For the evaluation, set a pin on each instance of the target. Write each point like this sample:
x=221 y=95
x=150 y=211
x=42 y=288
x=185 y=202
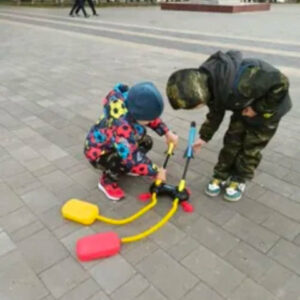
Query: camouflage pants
x=241 y=153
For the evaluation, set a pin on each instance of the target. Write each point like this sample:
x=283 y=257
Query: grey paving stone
x=281 y=204
x=9 y=200
x=17 y=219
x=10 y=142
x=274 y=169
x=44 y=170
x=24 y=154
x=4 y=156
x=100 y=296
x=75 y=131
x=87 y=178
x=17 y=280
x=36 y=164
x=40 y=200
x=67 y=228
x=213 y=209
x=282 y=226
x=295 y=194
x=293 y=177
x=112 y=273
x=73 y=191
x=131 y=289
x=63 y=277
x=23 y=183
x=275 y=279
x=45 y=103
x=53 y=218
x=297 y=240
x=213 y=236
x=167 y=275
x=53 y=119
x=183 y=248
x=136 y=252
x=80 y=166
x=42 y=250
x=151 y=294
x=213 y=270
x=257 y=236
x=291 y=290
x=70 y=240
x=254 y=190
x=60 y=139
x=65 y=162
x=287 y=254
x=25 y=133
x=8 y=121
x=37 y=141
x=168 y=236
x=6 y=243
x=249 y=290
x=34 y=122
x=26 y=231
x=50 y=297
x=56 y=180
x=52 y=152
x=202 y=291
x=31 y=107
x=10 y=168
x=249 y=261
x=252 y=210
x=84 y=291
x=279 y=186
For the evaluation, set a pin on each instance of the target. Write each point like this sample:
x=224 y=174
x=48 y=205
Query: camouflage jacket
x=236 y=83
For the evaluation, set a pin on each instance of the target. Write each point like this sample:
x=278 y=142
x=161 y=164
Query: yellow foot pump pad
x=80 y=211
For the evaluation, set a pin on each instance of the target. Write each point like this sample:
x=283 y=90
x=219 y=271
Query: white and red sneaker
x=133 y=174
x=110 y=189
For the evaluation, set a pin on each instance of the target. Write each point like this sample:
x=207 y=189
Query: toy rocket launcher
x=180 y=191
x=106 y=244
x=87 y=213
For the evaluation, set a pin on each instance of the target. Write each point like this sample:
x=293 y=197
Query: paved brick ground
x=54 y=72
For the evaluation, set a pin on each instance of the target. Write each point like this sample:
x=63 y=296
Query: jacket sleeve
x=213 y=120
x=158 y=126
x=269 y=104
x=267 y=88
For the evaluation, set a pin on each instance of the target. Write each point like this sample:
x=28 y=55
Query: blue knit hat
x=145 y=102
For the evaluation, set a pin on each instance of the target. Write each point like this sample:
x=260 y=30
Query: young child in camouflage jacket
x=118 y=142
x=256 y=93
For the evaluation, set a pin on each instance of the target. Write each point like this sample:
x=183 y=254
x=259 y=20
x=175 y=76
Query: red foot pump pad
x=98 y=245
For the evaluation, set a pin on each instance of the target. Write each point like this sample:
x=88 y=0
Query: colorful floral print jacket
x=117 y=130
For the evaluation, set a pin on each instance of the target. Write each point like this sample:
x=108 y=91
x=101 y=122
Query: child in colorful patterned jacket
x=118 y=142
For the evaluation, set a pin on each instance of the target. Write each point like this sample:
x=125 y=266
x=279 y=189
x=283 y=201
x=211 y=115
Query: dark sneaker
x=234 y=191
x=110 y=189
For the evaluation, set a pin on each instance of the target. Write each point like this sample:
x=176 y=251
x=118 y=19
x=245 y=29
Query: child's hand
x=172 y=138
x=198 y=145
x=249 y=112
x=162 y=174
